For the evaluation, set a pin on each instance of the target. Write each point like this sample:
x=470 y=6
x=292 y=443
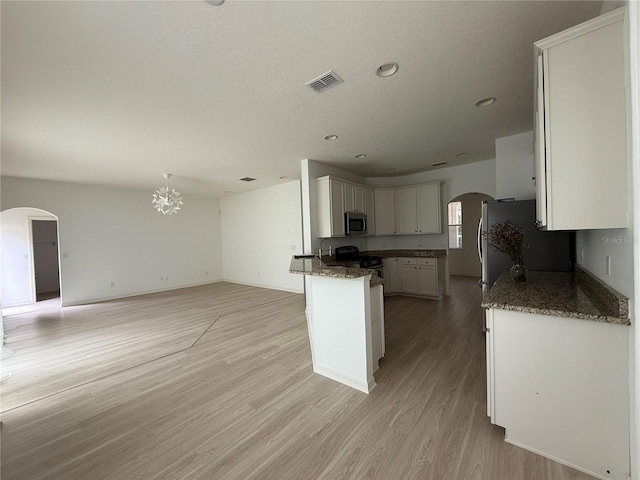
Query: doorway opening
x=464 y=212
x=30 y=279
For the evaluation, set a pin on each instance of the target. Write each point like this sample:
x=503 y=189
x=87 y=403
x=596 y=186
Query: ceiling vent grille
x=324 y=82
x=247 y=179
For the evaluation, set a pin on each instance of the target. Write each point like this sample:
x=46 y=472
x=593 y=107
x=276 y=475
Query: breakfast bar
x=345 y=320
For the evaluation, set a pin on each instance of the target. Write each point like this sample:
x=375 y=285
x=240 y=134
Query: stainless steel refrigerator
x=544 y=250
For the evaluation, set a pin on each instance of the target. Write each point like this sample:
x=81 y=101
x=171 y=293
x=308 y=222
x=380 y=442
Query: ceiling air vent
x=324 y=82
x=247 y=179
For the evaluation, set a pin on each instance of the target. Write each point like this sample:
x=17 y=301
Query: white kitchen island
x=345 y=319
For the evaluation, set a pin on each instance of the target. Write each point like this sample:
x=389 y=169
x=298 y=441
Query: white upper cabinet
x=581 y=151
x=385 y=211
x=429 y=209
x=417 y=210
x=370 y=210
x=353 y=198
x=349 y=197
x=358 y=199
x=334 y=198
x=330 y=207
x=406 y=210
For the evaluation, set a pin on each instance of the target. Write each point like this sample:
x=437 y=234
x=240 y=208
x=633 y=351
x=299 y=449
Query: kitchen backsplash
x=407 y=242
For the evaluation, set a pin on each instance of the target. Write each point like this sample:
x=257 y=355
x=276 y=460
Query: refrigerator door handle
x=480 y=240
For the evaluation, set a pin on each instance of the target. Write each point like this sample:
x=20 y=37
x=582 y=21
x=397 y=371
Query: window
x=455 y=224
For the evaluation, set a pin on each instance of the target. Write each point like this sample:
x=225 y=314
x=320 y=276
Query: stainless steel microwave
x=355 y=223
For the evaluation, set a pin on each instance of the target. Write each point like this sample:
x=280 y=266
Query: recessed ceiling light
x=387 y=69
x=361 y=155
x=438 y=164
x=391 y=169
x=247 y=179
x=283 y=177
x=462 y=154
x=215 y=3
x=227 y=191
x=331 y=137
x=485 y=102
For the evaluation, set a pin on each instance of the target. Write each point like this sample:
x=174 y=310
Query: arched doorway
x=463 y=215
x=30 y=278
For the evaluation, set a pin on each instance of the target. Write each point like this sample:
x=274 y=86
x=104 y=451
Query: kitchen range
x=351 y=255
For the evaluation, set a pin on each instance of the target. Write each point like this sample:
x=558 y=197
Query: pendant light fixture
x=166 y=200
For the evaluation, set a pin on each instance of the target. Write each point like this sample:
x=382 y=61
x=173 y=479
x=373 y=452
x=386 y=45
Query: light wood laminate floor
x=215 y=382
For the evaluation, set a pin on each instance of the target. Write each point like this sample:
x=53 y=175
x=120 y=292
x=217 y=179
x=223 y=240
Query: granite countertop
x=407 y=253
x=314 y=266
x=572 y=295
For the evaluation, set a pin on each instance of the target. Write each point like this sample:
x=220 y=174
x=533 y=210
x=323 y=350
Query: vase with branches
x=508 y=238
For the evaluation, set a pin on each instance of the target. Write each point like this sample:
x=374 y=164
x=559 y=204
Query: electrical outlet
x=25 y=256
x=113 y=284
x=167 y=277
x=258 y=274
x=161 y=279
x=65 y=255
x=608 y=265
x=294 y=247
x=207 y=272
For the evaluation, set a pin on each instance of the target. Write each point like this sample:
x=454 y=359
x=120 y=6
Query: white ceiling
x=116 y=93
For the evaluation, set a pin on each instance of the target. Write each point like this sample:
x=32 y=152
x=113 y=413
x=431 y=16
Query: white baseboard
x=555 y=459
x=348 y=380
x=270 y=287
x=135 y=294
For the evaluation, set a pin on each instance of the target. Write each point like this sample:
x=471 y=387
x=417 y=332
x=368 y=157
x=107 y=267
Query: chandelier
x=166 y=200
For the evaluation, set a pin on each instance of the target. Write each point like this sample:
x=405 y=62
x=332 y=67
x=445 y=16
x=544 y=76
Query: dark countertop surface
x=573 y=295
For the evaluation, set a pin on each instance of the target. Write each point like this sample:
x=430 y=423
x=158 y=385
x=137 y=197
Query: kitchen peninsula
x=345 y=319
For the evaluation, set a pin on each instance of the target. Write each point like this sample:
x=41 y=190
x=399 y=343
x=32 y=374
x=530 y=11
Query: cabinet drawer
x=427 y=261
x=408 y=261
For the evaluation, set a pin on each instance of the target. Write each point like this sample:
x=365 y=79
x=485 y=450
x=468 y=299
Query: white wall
x=16 y=264
x=114 y=235
x=261 y=230
x=477 y=177
x=515 y=167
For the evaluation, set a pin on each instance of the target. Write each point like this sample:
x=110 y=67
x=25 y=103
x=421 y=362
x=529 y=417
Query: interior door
x=45 y=257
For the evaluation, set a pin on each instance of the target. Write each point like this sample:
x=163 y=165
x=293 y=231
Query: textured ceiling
x=116 y=93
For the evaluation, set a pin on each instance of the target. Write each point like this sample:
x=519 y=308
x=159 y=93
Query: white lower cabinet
x=390 y=275
x=427 y=277
x=559 y=387
x=414 y=276
x=409 y=275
